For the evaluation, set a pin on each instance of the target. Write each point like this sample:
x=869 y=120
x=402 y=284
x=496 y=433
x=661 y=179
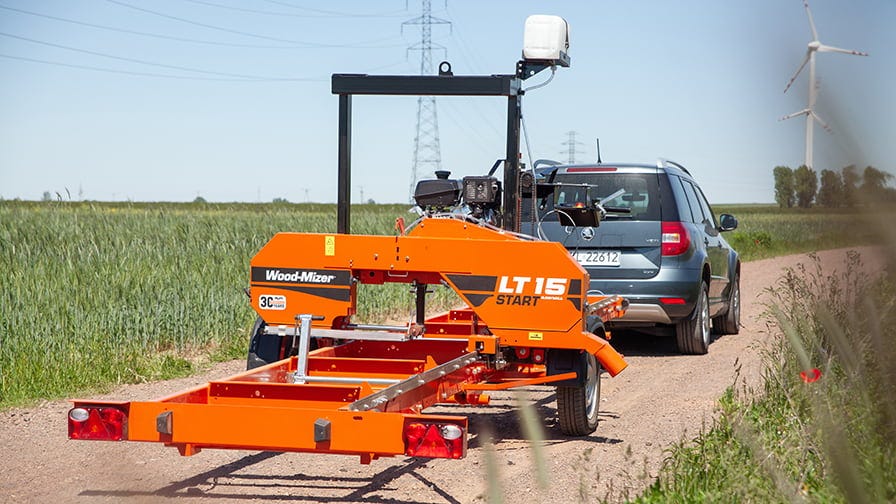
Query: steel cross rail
x=348 y=85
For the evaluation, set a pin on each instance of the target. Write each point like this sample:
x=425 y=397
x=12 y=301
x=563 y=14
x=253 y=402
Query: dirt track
x=661 y=398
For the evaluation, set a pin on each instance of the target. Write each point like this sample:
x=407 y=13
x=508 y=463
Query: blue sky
x=698 y=82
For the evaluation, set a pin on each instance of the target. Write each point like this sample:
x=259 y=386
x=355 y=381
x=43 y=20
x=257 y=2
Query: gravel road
x=661 y=398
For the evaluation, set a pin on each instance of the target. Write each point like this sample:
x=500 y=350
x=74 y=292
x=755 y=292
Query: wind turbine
x=814 y=46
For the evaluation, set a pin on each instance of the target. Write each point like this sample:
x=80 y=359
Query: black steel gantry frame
x=444 y=84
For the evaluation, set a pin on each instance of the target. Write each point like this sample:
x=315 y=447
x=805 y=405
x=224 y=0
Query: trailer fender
x=560 y=361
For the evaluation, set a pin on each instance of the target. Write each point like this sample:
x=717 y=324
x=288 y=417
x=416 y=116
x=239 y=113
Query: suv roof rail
x=661 y=163
x=549 y=162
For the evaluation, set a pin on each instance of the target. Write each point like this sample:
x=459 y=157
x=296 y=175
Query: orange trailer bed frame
x=366 y=391
x=361 y=389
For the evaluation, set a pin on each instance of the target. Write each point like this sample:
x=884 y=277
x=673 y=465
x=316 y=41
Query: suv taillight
x=675 y=238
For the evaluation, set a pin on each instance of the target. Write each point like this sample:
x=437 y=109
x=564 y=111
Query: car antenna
x=598 y=150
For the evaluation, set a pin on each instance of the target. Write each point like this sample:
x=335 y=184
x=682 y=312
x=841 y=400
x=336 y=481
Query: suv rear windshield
x=639 y=193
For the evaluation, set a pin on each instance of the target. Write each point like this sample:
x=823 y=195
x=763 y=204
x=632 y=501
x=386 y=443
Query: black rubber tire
x=264 y=349
x=693 y=333
x=729 y=323
x=577 y=406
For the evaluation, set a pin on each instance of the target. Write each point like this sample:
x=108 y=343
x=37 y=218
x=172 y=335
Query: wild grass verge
x=822 y=427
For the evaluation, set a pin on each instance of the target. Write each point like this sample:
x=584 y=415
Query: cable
x=144 y=34
x=394 y=13
x=229 y=30
x=181 y=77
x=127 y=72
x=545 y=83
x=142 y=62
x=283 y=14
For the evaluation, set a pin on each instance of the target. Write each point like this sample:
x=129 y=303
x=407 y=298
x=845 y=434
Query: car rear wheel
x=729 y=323
x=692 y=334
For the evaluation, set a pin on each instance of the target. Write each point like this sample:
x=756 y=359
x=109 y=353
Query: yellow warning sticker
x=536 y=336
x=330 y=245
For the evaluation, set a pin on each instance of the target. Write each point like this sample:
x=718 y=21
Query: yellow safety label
x=536 y=336
x=330 y=245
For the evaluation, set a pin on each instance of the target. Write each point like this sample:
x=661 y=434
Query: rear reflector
x=676 y=240
x=672 y=300
x=435 y=440
x=97 y=422
x=591 y=169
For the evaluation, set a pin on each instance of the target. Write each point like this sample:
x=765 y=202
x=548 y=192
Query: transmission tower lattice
x=427 y=153
x=571 y=144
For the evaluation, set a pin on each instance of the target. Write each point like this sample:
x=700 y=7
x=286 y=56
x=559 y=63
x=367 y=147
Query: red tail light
x=95 y=422
x=435 y=440
x=588 y=169
x=676 y=240
x=671 y=300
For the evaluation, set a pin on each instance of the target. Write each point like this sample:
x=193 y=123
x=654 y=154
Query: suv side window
x=681 y=199
x=707 y=210
x=696 y=213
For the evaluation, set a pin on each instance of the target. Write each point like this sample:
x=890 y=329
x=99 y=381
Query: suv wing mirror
x=727 y=222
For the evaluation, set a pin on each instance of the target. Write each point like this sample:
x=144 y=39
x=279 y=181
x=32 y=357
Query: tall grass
x=93 y=294
x=768 y=231
x=798 y=439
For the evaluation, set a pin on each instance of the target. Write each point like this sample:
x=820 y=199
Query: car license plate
x=598 y=257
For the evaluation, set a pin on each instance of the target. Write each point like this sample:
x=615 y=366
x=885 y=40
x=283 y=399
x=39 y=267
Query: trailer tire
x=264 y=349
x=577 y=406
x=692 y=334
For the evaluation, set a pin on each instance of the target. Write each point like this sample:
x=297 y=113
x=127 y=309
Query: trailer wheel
x=692 y=334
x=264 y=349
x=577 y=406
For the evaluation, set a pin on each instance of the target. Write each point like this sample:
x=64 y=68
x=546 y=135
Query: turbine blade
x=822 y=123
x=811 y=22
x=798 y=70
x=827 y=48
x=795 y=114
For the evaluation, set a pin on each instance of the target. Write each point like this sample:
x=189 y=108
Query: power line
x=325 y=78
x=144 y=34
x=476 y=65
x=331 y=14
x=230 y=30
x=303 y=45
x=150 y=63
x=125 y=72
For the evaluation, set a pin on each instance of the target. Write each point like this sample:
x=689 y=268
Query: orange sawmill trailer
x=317 y=381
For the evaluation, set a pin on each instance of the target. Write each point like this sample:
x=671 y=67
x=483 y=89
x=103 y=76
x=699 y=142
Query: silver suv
x=658 y=244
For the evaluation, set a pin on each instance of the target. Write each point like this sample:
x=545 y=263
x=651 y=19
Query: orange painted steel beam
x=521 y=383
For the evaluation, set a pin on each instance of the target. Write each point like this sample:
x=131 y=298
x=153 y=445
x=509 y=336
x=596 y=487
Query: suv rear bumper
x=643 y=312
x=644 y=296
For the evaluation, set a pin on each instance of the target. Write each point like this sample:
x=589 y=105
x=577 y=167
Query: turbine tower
x=427 y=153
x=814 y=46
